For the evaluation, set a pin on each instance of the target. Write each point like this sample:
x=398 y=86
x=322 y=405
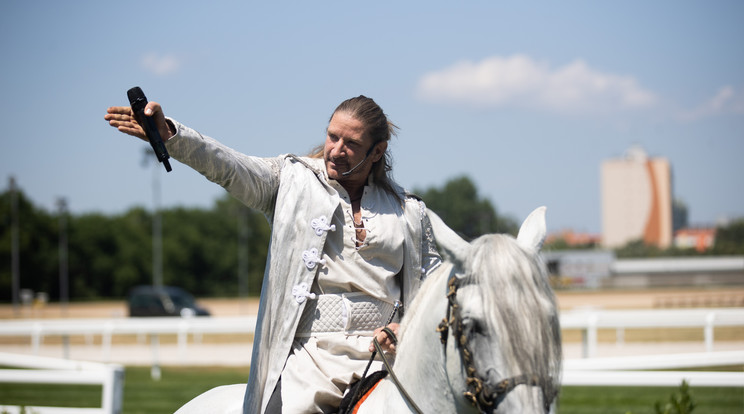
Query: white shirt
x=372 y=267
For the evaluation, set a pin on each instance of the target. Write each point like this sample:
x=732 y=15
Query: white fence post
x=45 y=370
x=113 y=390
x=619 y=336
x=183 y=338
x=590 y=336
x=155 y=373
x=106 y=334
x=36 y=335
x=709 y=324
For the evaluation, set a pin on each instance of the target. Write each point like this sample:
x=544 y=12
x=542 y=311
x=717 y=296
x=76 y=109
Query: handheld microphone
x=138 y=101
x=369 y=151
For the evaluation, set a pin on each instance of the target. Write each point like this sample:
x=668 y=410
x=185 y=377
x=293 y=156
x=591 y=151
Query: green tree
x=110 y=254
x=256 y=236
x=730 y=239
x=638 y=248
x=201 y=248
x=460 y=206
x=38 y=240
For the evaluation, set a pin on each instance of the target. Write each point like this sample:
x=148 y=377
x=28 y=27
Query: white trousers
x=320 y=369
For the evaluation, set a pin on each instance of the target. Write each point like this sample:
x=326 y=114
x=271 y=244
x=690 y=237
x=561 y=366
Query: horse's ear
x=454 y=246
x=532 y=233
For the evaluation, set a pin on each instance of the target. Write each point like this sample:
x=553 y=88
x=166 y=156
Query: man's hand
x=122 y=118
x=386 y=343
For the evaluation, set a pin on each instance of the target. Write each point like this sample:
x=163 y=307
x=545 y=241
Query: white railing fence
x=38 y=329
x=589 y=321
x=652 y=378
x=636 y=370
x=44 y=370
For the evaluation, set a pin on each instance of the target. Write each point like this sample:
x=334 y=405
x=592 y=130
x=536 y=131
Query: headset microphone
x=348 y=173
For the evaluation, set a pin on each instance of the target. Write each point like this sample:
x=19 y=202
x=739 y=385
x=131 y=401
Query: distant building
x=636 y=200
x=701 y=239
x=573 y=239
x=600 y=269
x=676 y=271
x=579 y=268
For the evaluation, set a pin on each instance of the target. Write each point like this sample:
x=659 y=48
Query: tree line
x=109 y=254
x=215 y=252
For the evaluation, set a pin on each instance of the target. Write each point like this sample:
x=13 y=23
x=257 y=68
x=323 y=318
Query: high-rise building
x=636 y=200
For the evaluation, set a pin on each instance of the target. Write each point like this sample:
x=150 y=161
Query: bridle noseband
x=480 y=394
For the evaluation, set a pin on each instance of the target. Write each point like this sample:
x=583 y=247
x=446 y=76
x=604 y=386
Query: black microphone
x=138 y=101
x=369 y=151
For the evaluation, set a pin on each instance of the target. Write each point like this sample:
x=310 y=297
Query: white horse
x=482 y=334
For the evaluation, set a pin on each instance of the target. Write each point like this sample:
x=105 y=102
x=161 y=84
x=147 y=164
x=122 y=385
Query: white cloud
x=520 y=81
x=160 y=65
x=726 y=101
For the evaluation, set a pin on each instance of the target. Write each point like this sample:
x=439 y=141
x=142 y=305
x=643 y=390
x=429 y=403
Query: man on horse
x=347 y=243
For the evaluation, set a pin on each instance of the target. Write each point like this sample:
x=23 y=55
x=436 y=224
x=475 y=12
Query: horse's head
x=503 y=318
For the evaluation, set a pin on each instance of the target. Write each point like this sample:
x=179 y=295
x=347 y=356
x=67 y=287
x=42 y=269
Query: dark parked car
x=163 y=301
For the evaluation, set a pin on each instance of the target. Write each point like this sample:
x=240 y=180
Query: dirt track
x=630 y=299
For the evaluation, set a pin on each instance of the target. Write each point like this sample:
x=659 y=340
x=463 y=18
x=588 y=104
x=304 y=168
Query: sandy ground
x=615 y=299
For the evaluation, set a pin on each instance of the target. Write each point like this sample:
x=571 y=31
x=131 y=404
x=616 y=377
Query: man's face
x=346 y=146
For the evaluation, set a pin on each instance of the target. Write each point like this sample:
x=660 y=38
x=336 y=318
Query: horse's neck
x=420 y=347
x=420 y=360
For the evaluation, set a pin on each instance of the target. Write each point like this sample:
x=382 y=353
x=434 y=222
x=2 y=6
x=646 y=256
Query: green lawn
x=641 y=400
x=141 y=393
x=178 y=385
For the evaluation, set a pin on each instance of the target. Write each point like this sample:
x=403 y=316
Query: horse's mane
x=522 y=308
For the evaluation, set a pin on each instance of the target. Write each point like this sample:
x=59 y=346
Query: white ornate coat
x=291 y=191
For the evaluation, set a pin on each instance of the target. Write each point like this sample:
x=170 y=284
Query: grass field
x=179 y=384
x=142 y=395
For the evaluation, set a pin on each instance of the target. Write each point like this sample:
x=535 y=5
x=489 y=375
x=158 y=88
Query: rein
x=378 y=350
x=397 y=382
x=482 y=396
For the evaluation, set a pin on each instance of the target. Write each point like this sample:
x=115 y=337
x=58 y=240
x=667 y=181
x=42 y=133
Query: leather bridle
x=484 y=397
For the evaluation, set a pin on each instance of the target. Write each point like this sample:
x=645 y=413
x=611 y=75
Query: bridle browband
x=480 y=394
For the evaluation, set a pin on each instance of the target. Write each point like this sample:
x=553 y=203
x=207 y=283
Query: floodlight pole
x=64 y=283
x=157 y=230
x=15 y=248
x=157 y=227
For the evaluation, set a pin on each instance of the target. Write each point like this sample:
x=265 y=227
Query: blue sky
x=526 y=100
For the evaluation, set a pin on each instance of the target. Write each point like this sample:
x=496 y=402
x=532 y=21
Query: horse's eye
x=472 y=326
